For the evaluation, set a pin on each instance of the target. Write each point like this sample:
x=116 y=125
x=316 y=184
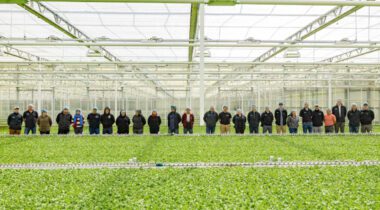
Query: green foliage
x=223 y=188
x=187 y=149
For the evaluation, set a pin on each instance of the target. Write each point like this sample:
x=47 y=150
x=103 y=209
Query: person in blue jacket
x=174 y=118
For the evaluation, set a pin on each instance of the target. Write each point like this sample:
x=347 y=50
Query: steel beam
x=9 y=50
x=350 y=54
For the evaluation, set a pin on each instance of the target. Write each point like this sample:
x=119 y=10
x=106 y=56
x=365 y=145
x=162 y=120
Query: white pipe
x=311 y=2
x=201 y=63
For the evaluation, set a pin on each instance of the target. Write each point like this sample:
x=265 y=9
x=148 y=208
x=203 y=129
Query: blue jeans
x=210 y=129
x=354 y=129
x=107 y=130
x=28 y=130
x=188 y=130
x=307 y=127
x=293 y=130
x=173 y=130
x=94 y=131
x=253 y=129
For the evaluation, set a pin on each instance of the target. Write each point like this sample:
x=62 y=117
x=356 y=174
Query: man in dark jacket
x=188 y=121
x=225 y=121
x=317 y=118
x=30 y=117
x=254 y=120
x=122 y=123
x=306 y=114
x=154 y=122
x=280 y=115
x=354 y=119
x=64 y=120
x=138 y=122
x=107 y=119
x=173 y=121
x=267 y=120
x=366 y=118
x=15 y=122
x=210 y=118
x=94 y=121
x=239 y=121
x=340 y=113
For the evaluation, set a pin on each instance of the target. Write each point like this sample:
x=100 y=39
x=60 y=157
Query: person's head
x=173 y=109
x=188 y=110
x=316 y=107
x=16 y=109
x=365 y=106
x=154 y=113
x=238 y=112
x=280 y=105
x=65 y=110
x=212 y=108
x=107 y=110
x=123 y=113
x=354 y=107
x=339 y=102
x=94 y=110
x=77 y=111
x=293 y=114
x=30 y=107
x=254 y=109
x=43 y=112
x=225 y=108
x=138 y=112
x=267 y=109
x=306 y=105
x=328 y=111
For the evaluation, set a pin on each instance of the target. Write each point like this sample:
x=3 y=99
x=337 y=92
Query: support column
x=329 y=94
x=53 y=101
x=116 y=112
x=201 y=64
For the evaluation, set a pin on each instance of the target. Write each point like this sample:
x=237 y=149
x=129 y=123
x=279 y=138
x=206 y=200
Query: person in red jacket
x=188 y=121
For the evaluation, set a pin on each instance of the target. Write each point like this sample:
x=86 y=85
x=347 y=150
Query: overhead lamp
x=53 y=38
x=153 y=39
x=345 y=41
x=292 y=53
x=94 y=53
x=206 y=53
x=249 y=40
x=102 y=38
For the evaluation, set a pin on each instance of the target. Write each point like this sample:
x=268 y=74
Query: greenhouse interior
x=150 y=56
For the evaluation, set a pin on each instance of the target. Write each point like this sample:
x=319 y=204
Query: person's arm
x=249 y=117
x=334 y=119
x=205 y=117
x=372 y=115
x=169 y=120
x=9 y=120
x=159 y=120
x=143 y=120
x=183 y=119
x=179 y=118
x=112 y=119
x=57 y=119
x=50 y=121
x=128 y=121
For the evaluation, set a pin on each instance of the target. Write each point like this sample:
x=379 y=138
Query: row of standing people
x=312 y=121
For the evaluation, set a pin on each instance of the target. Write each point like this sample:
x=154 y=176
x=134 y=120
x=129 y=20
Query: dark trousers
x=138 y=130
x=78 y=130
x=329 y=129
x=123 y=132
x=107 y=130
x=188 y=130
x=154 y=130
x=307 y=127
x=210 y=129
x=94 y=131
x=239 y=130
x=44 y=132
x=63 y=131
x=293 y=130
x=28 y=130
x=339 y=127
x=173 y=130
x=253 y=129
x=354 y=129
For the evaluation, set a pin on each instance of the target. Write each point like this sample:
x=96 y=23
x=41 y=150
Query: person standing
x=354 y=119
x=330 y=121
x=306 y=114
x=107 y=119
x=94 y=119
x=239 y=121
x=225 y=121
x=340 y=112
x=15 y=122
x=30 y=117
x=138 y=122
x=122 y=123
x=64 y=120
x=317 y=119
x=44 y=123
x=254 y=121
x=293 y=122
x=188 y=121
x=173 y=121
x=210 y=118
x=154 y=122
x=267 y=120
x=280 y=115
x=78 y=122
x=366 y=118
